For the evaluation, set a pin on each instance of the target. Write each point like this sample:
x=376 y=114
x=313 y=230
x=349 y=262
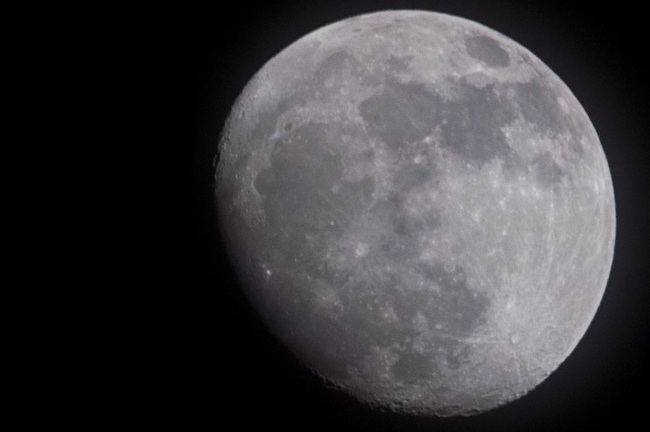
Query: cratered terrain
x=419 y=209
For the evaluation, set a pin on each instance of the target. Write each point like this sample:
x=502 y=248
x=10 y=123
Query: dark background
x=227 y=368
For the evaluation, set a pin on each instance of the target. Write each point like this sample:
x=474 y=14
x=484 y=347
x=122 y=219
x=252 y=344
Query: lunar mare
x=420 y=210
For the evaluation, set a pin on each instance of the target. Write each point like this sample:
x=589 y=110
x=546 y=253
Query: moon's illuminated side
x=419 y=209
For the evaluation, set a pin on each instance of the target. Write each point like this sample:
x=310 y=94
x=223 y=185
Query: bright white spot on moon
x=361 y=250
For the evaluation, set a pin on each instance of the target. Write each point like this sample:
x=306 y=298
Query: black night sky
x=232 y=369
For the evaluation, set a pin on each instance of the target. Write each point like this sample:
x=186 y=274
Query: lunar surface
x=419 y=209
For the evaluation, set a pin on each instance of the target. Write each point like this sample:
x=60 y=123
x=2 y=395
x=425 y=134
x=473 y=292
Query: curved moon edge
x=419 y=208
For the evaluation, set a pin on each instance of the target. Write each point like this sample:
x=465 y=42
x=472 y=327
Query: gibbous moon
x=419 y=209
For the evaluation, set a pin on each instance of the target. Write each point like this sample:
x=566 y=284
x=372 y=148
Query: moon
x=419 y=209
